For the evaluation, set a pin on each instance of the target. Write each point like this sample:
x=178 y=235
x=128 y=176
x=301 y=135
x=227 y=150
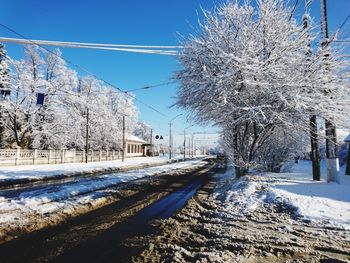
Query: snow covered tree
x=22 y=107
x=61 y=120
x=106 y=108
x=143 y=131
x=245 y=72
x=4 y=71
x=4 y=92
x=49 y=125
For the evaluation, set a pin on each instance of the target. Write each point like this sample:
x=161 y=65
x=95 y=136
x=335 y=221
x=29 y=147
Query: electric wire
x=125 y=48
x=87 y=71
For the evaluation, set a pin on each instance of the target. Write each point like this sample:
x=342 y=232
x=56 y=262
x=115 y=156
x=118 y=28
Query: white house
x=135 y=146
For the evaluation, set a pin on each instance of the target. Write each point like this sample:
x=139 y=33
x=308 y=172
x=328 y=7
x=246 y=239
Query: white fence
x=27 y=157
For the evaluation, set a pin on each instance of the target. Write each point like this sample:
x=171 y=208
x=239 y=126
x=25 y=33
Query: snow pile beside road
x=38 y=172
x=326 y=203
x=240 y=195
x=320 y=202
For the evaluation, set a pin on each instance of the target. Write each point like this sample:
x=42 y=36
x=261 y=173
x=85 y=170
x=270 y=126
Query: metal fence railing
x=28 y=157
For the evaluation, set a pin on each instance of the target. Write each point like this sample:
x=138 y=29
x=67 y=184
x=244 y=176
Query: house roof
x=347 y=138
x=133 y=138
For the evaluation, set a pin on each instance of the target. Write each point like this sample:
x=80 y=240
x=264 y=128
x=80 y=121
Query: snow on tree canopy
x=247 y=71
x=61 y=120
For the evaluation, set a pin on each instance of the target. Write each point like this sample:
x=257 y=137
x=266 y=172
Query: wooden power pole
x=331 y=134
x=170 y=142
x=315 y=152
x=151 y=153
x=124 y=141
x=87 y=136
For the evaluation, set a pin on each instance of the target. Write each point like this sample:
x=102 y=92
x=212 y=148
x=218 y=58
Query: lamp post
x=170 y=140
x=185 y=140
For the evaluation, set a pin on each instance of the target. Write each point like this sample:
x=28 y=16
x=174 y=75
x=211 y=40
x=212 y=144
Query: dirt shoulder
x=206 y=230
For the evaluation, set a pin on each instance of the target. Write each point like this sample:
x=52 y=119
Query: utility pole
x=170 y=138
x=170 y=148
x=192 y=145
x=5 y=92
x=2 y=125
x=331 y=133
x=189 y=146
x=185 y=141
x=87 y=136
x=124 y=142
x=315 y=152
x=184 y=144
x=151 y=142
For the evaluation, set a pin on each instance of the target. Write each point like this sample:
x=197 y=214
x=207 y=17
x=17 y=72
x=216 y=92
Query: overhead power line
x=85 y=70
x=105 y=45
x=89 y=46
x=151 y=86
x=67 y=45
x=345 y=20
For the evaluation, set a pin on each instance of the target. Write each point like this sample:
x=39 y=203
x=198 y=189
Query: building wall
x=134 y=149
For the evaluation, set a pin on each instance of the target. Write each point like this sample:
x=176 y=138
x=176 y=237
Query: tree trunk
x=239 y=170
x=315 y=154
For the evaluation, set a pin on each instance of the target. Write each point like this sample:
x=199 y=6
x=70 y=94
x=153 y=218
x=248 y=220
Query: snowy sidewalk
x=319 y=202
x=30 y=173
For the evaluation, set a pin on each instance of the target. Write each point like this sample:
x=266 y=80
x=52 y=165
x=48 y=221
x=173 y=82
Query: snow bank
x=319 y=202
x=37 y=172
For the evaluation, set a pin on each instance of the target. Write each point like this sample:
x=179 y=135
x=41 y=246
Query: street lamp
x=185 y=140
x=170 y=141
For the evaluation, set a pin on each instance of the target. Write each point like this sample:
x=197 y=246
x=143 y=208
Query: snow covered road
x=32 y=208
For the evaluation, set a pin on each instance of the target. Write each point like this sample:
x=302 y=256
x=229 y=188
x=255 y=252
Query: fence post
x=106 y=155
x=18 y=155
x=49 y=157
x=74 y=155
x=99 y=155
x=83 y=156
x=62 y=155
x=113 y=154
x=92 y=155
x=35 y=154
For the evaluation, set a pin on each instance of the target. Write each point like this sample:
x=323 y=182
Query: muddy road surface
x=102 y=235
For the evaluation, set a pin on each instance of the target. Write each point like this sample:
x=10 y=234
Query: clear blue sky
x=148 y=22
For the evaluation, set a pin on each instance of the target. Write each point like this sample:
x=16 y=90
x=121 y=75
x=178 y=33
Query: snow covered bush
x=247 y=72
